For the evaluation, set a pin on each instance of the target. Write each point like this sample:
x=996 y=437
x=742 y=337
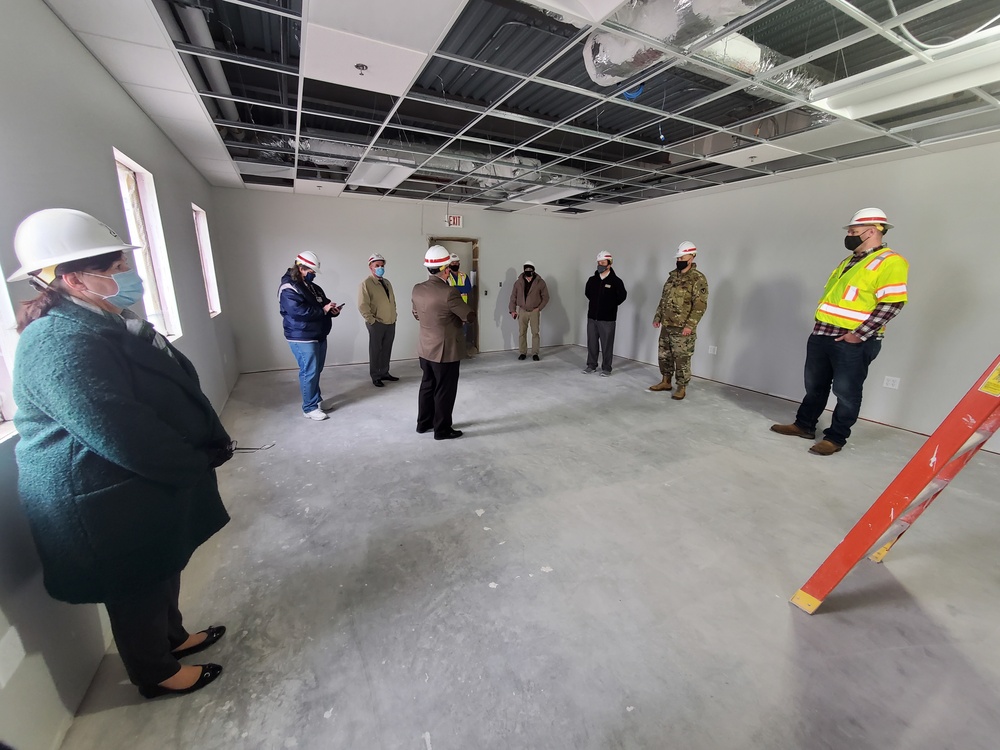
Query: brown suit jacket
x=441 y=312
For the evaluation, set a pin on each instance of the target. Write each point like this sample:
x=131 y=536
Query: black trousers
x=147 y=626
x=380 y=338
x=600 y=338
x=438 y=389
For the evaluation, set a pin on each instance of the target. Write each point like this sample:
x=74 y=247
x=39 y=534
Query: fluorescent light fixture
x=908 y=82
x=381 y=174
x=547 y=193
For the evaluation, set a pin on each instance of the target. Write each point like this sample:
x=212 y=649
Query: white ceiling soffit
x=414 y=25
x=835 y=134
x=752 y=155
x=319 y=187
x=118 y=19
x=909 y=82
x=181 y=105
x=137 y=63
x=333 y=56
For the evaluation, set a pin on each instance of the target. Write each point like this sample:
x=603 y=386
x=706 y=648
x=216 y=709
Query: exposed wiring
x=945 y=45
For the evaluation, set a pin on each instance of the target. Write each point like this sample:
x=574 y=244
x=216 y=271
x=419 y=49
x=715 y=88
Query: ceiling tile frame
x=687 y=55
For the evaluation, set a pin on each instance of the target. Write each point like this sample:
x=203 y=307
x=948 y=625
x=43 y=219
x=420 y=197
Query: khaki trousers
x=524 y=319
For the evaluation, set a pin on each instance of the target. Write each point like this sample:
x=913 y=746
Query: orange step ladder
x=958 y=438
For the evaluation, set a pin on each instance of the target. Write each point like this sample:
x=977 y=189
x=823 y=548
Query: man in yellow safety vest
x=866 y=291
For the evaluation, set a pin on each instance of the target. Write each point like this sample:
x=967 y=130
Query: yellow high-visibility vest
x=460 y=282
x=849 y=298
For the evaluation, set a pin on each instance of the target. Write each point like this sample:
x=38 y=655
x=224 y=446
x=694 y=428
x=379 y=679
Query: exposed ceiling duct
x=612 y=58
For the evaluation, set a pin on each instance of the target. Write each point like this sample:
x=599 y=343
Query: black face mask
x=454 y=268
x=681 y=265
x=528 y=274
x=852 y=242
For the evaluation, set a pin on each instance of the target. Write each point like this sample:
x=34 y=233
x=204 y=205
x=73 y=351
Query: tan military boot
x=663 y=385
x=679 y=393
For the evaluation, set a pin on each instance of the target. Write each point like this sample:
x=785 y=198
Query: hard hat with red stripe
x=374 y=257
x=872 y=217
x=604 y=255
x=308 y=259
x=686 y=248
x=436 y=257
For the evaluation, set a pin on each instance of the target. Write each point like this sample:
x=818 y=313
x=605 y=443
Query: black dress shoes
x=390 y=378
x=535 y=357
x=208 y=674
x=449 y=435
x=212 y=635
x=378 y=384
x=422 y=430
x=523 y=356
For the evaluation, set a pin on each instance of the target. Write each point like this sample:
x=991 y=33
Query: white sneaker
x=326 y=404
x=317 y=415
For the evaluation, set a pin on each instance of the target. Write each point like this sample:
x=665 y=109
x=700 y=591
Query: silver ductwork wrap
x=611 y=58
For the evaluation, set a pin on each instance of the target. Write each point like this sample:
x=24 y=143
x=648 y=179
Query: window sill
x=7 y=431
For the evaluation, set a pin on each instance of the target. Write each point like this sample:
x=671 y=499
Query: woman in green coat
x=117 y=449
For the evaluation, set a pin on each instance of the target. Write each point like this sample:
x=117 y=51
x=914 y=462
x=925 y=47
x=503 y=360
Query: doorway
x=468 y=252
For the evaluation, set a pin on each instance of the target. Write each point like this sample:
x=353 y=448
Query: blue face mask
x=129 y=288
x=380 y=271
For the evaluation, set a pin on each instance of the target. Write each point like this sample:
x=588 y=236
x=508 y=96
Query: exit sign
x=454 y=221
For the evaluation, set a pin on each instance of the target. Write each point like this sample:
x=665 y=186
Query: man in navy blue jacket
x=305 y=318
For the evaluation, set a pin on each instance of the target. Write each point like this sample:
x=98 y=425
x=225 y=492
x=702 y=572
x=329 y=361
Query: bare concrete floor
x=591 y=566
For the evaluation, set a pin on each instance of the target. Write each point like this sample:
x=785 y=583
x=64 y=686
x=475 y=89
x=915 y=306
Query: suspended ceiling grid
x=489 y=102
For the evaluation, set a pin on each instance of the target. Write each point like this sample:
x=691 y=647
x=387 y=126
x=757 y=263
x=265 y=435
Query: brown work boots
x=679 y=393
x=823 y=448
x=663 y=385
x=794 y=430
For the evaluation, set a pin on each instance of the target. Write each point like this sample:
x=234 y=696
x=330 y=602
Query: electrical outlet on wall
x=890 y=382
x=713 y=350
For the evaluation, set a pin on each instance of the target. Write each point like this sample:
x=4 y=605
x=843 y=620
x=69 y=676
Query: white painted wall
x=767 y=250
x=259 y=233
x=61 y=117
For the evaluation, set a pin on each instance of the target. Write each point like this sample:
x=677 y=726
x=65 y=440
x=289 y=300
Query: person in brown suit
x=441 y=312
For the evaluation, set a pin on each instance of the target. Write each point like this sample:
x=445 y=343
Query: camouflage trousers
x=675 y=354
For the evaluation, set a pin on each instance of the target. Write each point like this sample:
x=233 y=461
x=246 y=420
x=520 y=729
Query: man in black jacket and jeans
x=606 y=292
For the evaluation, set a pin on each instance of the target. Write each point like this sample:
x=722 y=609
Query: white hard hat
x=528 y=263
x=436 y=256
x=604 y=255
x=308 y=259
x=58 y=235
x=686 y=248
x=374 y=257
x=453 y=258
x=871 y=216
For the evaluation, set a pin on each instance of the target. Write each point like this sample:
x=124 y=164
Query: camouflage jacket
x=684 y=300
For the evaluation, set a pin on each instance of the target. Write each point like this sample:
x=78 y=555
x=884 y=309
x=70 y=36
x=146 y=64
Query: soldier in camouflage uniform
x=684 y=300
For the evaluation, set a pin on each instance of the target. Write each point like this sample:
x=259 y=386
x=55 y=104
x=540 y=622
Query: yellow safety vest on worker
x=849 y=298
x=460 y=283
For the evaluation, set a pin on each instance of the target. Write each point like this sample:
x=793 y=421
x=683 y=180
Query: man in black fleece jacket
x=606 y=292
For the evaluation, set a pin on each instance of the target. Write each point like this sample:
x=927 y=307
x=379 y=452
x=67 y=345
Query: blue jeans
x=842 y=367
x=311 y=357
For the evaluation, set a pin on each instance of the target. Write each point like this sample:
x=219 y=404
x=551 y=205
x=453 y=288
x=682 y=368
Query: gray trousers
x=600 y=337
x=380 y=338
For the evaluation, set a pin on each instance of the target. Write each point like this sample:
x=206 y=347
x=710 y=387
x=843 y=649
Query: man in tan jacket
x=440 y=311
x=527 y=299
x=377 y=305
